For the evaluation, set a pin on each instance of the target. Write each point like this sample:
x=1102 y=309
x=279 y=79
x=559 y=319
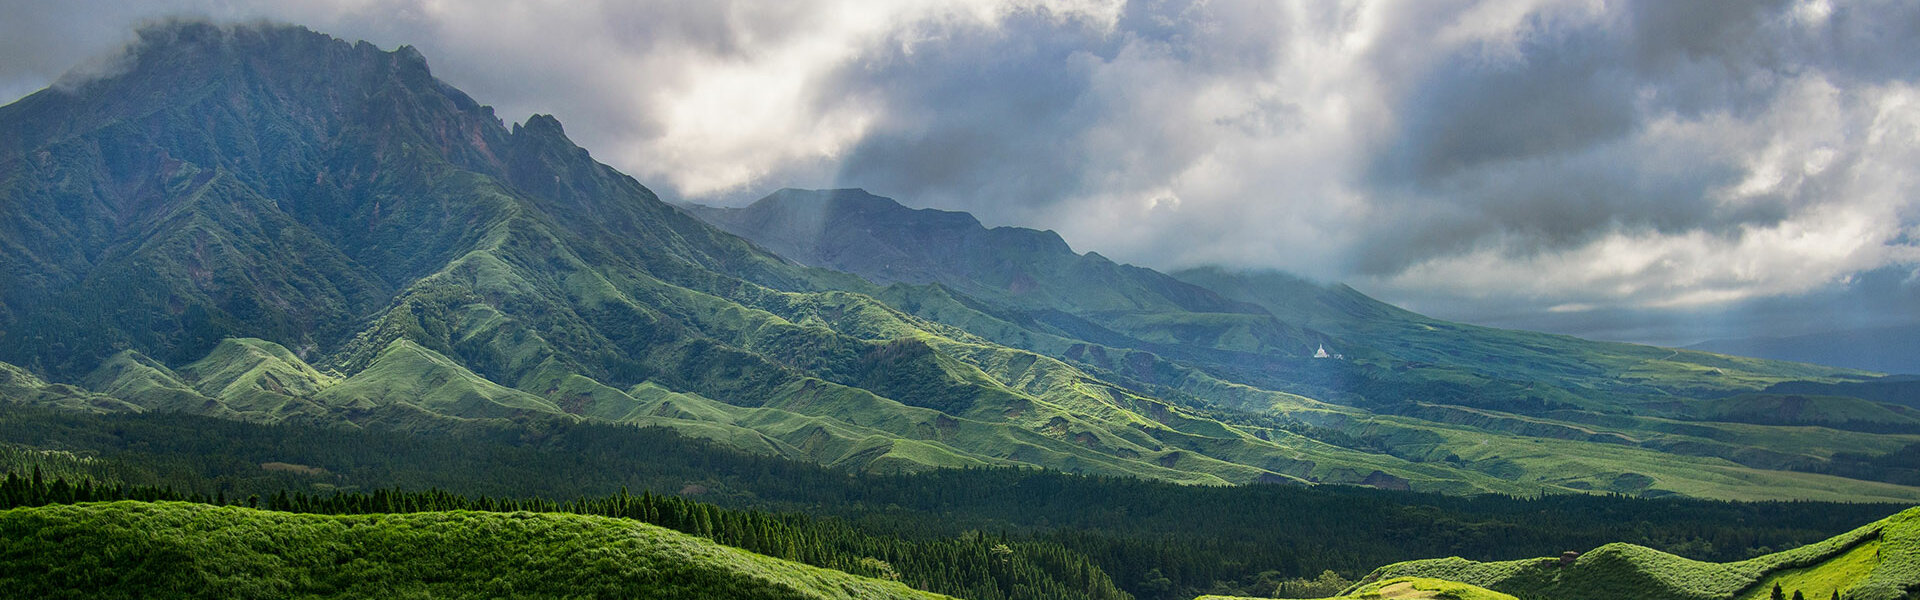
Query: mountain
x=178 y=550
x=269 y=224
x=1404 y=384
x=1876 y=562
x=1893 y=349
x=877 y=238
x=1252 y=327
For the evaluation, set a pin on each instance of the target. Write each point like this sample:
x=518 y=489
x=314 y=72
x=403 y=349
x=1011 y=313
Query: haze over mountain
x=1884 y=349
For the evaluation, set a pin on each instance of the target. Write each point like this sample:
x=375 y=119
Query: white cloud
x=1839 y=161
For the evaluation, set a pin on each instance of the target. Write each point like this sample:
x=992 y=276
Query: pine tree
x=1778 y=594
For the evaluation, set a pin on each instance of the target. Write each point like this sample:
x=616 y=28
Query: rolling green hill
x=1880 y=561
x=1406 y=588
x=269 y=224
x=178 y=550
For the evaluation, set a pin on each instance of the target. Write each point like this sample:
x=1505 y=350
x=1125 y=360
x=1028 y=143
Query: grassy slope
x=1615 y=394
x=179 y=550
x=1407 y=588
x=1838 y=574
x=20 y=386
x=149 y=384
x=1840 y=411
x=1880 y=561
x=1051 y=401
x=1694 y=458
x=1576 y=464
x=1618 y=373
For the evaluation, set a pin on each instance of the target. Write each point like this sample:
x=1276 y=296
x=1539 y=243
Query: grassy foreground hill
x=181 y=550
x=1406 y=588
x=1880 y=561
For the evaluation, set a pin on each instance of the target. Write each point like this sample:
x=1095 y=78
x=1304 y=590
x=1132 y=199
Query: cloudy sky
x=1651 y=171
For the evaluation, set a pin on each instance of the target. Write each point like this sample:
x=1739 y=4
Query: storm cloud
x=1644 y=170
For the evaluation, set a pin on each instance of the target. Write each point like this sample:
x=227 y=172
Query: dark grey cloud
x=1565 y=91
x=1867 y=41
x=1531 y=147
x=1006 y=118
x=984 y=117
x=1549 y=145
x=1542 y=204
x=1876 y=298
x=37 y=46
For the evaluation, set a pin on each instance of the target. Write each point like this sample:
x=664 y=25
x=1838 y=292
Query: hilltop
x=179 y=550
x=1891 y=349
x=1879 y=561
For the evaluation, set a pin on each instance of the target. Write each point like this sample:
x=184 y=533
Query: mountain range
x=270 y=224
x=1893 y=349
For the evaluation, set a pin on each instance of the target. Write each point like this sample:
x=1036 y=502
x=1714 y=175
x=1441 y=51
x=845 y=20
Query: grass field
x=1406 y=588
x=1880 y=561
x=179 y=550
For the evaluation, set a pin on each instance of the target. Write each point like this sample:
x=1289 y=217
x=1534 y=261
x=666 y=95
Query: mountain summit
x=877 y=238
x=883 y=241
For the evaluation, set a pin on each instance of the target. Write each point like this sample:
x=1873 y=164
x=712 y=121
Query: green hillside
x=1520 y=371
x=1406 y=397
x=178 y=550
x=1880 y=561
x=1406 y=588
x=1027 y=270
